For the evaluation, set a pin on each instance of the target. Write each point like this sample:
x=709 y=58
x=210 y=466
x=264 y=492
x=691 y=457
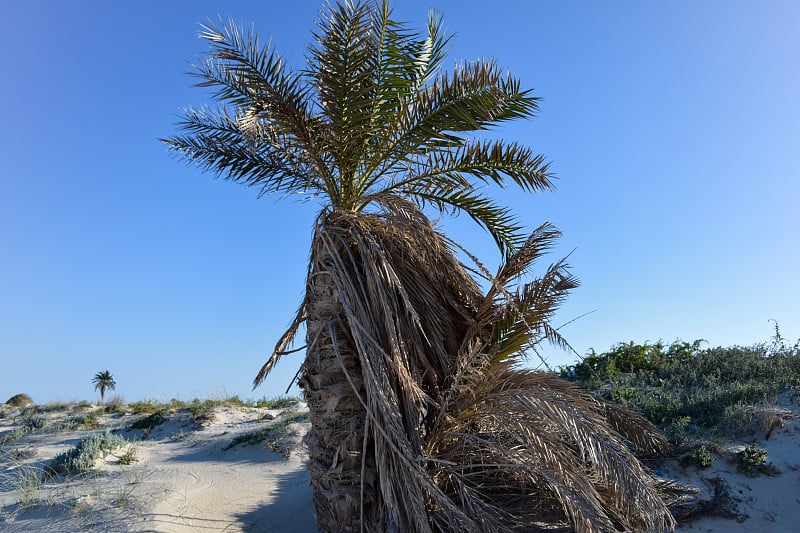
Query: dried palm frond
x=520 y=448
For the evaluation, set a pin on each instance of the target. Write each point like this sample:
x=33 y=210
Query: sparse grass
x=85 y=454
x=129 y=457
x=26 y=482
x=280 y=402
x=268 y=436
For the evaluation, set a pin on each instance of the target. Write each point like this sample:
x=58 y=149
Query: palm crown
x=103 y=381
x=373 y=115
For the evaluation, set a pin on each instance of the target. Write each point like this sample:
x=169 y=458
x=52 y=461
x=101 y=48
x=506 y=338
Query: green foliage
x=34 y=421
x=129 y=457
x=150 y=421
x=280 y=402
x=269 y=435
x=677 y=430
x=11 y=436
x=145 y=407
x=682 y=384
x=752 y=459
x=700 y=458
x=83 y=457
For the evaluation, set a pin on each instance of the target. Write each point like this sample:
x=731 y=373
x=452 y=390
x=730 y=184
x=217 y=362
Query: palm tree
x=421 y=417
x=103 y=381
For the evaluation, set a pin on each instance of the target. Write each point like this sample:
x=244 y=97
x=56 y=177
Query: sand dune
x=184 y=481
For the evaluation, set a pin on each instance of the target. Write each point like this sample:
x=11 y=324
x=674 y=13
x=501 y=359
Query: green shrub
x=85 y=454
x=145 y=407
x=150 y=421
x=752 y=459
x=700 y=458
x=34 y=422
x=280 y=402
x=87 y=420
x=10 y=436
x=667 y=384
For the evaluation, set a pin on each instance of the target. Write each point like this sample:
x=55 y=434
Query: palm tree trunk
x=341 y=464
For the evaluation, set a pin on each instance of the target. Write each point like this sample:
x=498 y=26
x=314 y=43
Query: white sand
x=184 y=481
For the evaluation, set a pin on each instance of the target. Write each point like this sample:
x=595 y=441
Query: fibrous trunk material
x=341 y=466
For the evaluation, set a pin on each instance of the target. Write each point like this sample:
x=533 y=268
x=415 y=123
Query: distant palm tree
x=421 y=420
x=103 y=381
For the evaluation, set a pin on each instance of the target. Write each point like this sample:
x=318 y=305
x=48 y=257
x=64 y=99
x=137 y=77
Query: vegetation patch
x=700 y=457
x=20 y=400
x=280 y=402
x=268 y=436
x=150 y=421
x=84 y=455
x=129 y=457
x=687 y=389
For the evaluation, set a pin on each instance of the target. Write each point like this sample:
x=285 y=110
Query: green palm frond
x=498 y=221
x=216 y=142
x=488 y=160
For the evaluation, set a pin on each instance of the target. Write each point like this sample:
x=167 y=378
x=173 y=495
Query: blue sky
x=672 y=127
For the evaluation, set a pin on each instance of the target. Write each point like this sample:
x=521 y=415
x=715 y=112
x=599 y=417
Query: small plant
x=150 y=421
x=34 y=422
x=677 y=431
x=116 y=405
x=85 y=454
x=11 y=436
x=200 y=411
x=752 y=459
x=700 y=457
x=88 y=420
x=129 y=457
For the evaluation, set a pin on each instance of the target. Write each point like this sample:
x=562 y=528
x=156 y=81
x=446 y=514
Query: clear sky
x=673 y=127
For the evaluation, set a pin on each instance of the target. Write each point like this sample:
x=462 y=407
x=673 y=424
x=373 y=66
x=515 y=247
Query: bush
x=150 y=421
x=752 y=459
x=20 y=400
x=277 y=403
x=148 y=406
x=83 y=457
x=700 y=457
x=81 y=420
x=672 y=385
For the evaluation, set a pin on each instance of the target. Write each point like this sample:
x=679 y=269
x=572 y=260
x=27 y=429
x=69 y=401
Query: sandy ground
x=760 y=503
x=187 y=481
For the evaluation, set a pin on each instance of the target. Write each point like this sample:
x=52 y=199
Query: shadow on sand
x=291 y=508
